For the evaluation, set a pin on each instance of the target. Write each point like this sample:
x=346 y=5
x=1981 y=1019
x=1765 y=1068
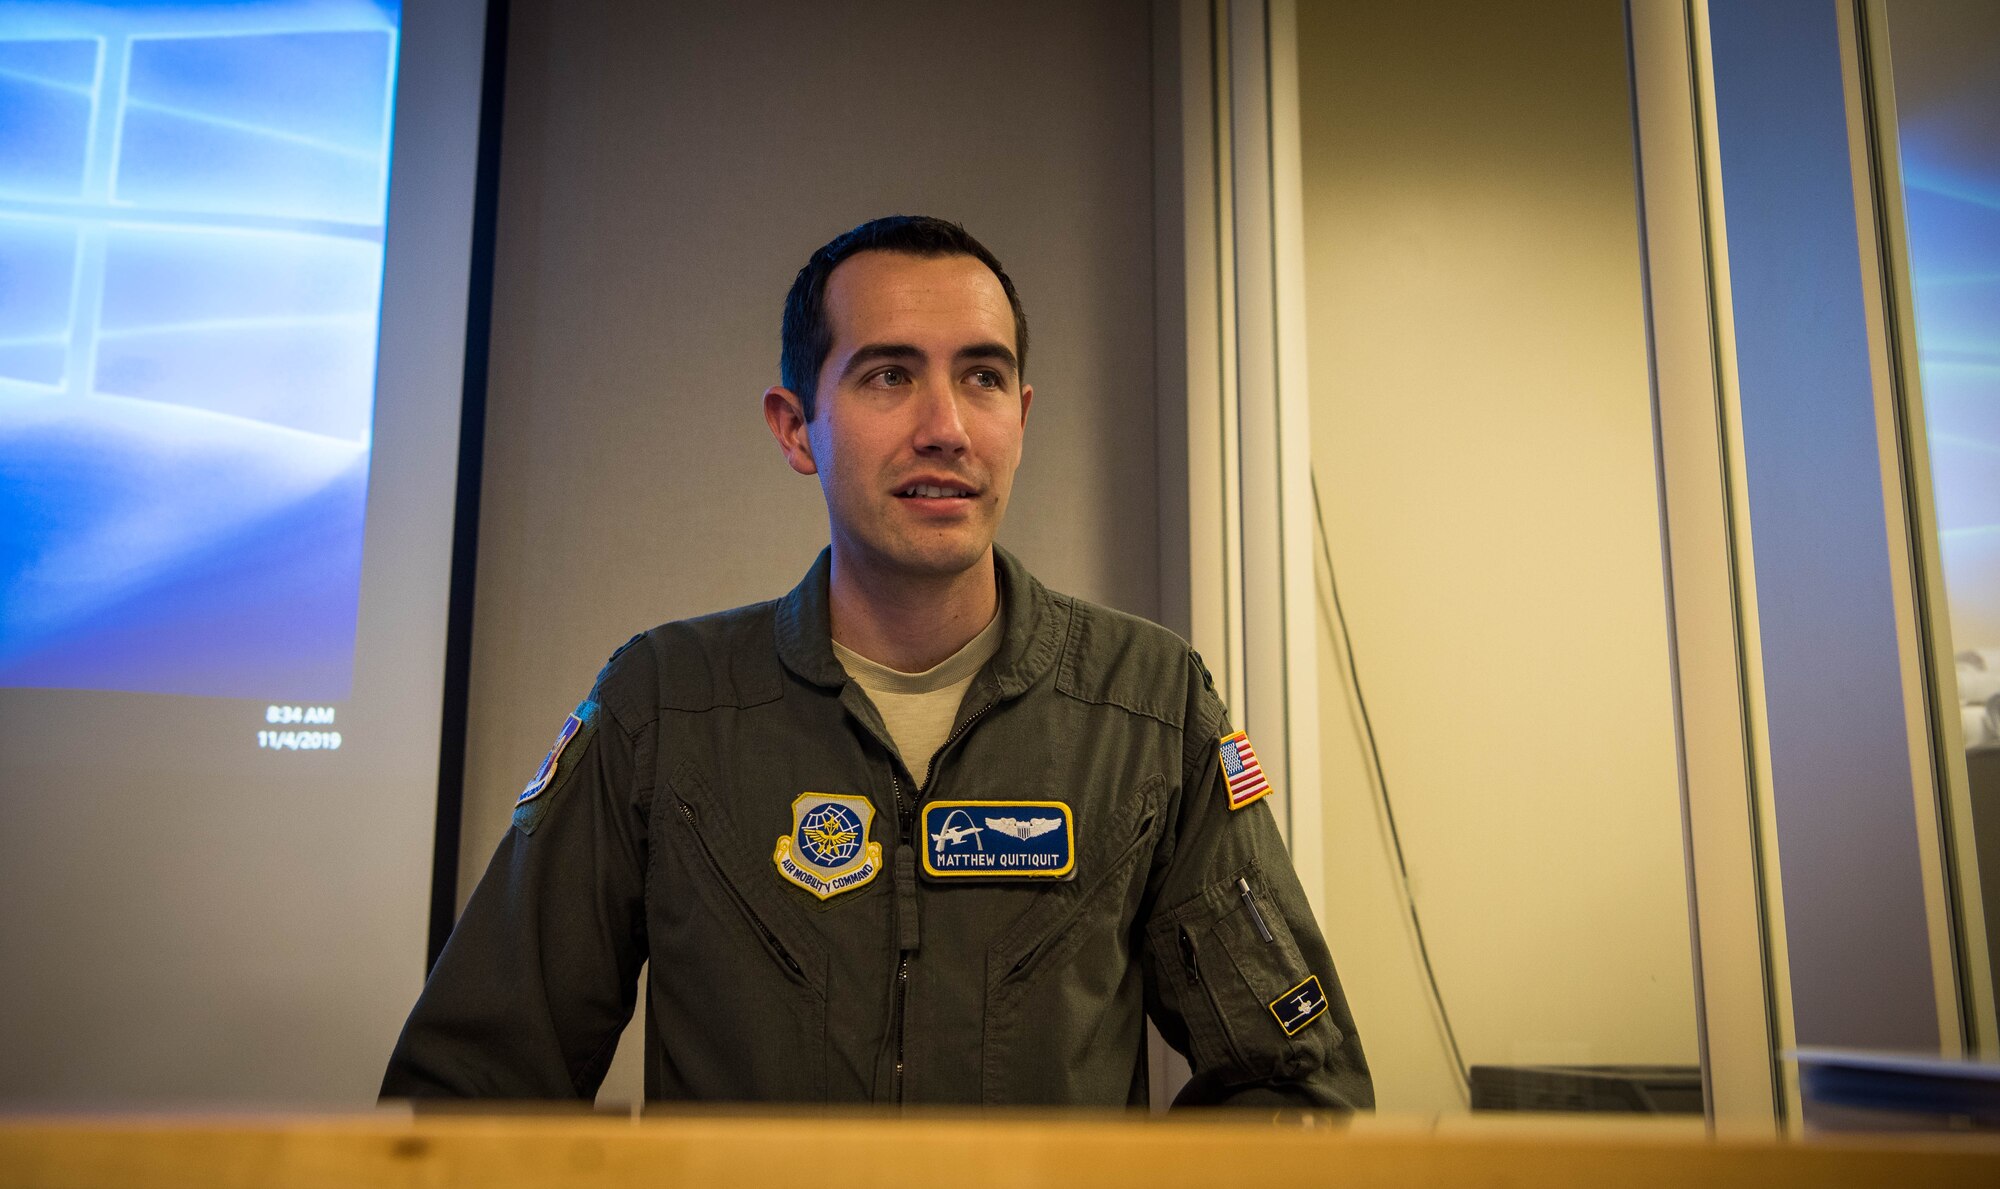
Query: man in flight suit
x=920 y=831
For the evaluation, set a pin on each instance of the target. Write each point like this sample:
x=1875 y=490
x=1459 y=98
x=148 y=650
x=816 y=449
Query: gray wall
x=666 y=169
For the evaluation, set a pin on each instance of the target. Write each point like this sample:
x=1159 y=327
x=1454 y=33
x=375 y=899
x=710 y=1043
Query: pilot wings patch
x=1024 y=828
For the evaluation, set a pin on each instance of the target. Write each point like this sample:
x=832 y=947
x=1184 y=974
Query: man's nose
x=940 y=421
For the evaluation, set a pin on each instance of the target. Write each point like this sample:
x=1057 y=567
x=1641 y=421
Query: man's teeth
x=929 y=492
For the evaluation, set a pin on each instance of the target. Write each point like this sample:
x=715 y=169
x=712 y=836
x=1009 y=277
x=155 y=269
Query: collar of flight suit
x=1036 y=621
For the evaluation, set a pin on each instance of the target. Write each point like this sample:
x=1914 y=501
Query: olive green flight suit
x=655 y=838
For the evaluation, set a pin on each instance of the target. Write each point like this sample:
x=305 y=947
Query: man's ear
x=1027 y=398
x=786 y=415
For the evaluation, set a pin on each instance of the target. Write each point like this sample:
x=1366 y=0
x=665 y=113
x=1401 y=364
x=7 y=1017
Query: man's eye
x=986 y=377
x=890 y=377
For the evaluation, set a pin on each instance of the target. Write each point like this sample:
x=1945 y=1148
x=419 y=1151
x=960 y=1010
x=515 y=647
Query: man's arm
x=1238 y=977
x=539 y=977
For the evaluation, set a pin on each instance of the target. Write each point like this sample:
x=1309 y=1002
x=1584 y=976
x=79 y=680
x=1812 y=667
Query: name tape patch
x=1299 y=1006
x=999 y=840
x=828 y=851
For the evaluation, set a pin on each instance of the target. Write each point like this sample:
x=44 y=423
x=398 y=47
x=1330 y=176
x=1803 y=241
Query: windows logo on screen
x=192 y=209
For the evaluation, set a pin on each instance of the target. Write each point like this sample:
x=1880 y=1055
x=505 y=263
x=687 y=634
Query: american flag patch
x=1244 y=773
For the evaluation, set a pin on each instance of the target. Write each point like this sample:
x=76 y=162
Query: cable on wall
x=1380 y=782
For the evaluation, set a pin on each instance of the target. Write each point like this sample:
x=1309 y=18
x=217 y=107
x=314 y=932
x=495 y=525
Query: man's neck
x=911 y=624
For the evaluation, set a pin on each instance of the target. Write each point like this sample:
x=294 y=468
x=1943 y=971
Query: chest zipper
x=721 y=877
x=903 y=958
x=906 y=819
x=1082 y=904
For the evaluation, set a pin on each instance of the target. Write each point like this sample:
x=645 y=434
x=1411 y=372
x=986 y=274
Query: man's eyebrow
x=994 y=351
x=876 y=352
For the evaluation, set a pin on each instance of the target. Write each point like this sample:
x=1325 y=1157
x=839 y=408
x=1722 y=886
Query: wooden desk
x=946 y=1151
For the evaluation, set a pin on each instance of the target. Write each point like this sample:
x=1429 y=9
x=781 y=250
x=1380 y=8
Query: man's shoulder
x=723 y=658
x=1112 y=657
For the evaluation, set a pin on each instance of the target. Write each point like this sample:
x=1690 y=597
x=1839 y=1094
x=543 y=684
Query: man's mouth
x=933 y=491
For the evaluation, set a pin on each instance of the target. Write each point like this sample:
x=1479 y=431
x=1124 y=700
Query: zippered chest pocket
x=711 y=851
x=728 y=887
x=737 y=978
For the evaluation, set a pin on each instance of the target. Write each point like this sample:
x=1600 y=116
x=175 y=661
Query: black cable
x=1382 y=793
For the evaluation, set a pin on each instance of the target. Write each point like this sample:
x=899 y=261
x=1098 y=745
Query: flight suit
x=705 y=757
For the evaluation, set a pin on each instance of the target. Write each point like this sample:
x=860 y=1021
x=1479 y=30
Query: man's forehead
x=877 y=295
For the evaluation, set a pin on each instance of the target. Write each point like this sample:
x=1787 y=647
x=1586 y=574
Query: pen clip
x=1256 y=918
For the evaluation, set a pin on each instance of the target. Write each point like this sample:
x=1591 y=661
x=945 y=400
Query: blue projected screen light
x=192 y=210
x=1947 y=72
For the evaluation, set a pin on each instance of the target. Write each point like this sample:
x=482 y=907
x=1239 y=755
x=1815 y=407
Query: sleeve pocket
x=1242 y=981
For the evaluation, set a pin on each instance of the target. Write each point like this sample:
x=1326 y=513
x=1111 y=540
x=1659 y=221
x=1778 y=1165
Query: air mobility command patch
x=531 y=806
x=999 y=840
x=1299 y=1006
x=1245 y=774
x=828 y=851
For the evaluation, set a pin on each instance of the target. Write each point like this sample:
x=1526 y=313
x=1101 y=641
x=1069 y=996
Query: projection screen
x=235 y=241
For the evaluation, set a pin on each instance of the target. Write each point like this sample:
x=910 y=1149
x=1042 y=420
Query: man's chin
x=943 y=564
x=931 y=561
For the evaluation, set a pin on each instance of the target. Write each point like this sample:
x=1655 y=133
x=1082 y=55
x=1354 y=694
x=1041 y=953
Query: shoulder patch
x=1299 y=1006
x=532 y=805
x=1241 y=769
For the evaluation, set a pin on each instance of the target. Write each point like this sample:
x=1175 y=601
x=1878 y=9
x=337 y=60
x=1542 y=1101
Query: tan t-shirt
x=918 y=708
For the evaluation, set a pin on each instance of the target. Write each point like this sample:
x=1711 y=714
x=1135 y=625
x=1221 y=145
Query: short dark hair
x=808 y=337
